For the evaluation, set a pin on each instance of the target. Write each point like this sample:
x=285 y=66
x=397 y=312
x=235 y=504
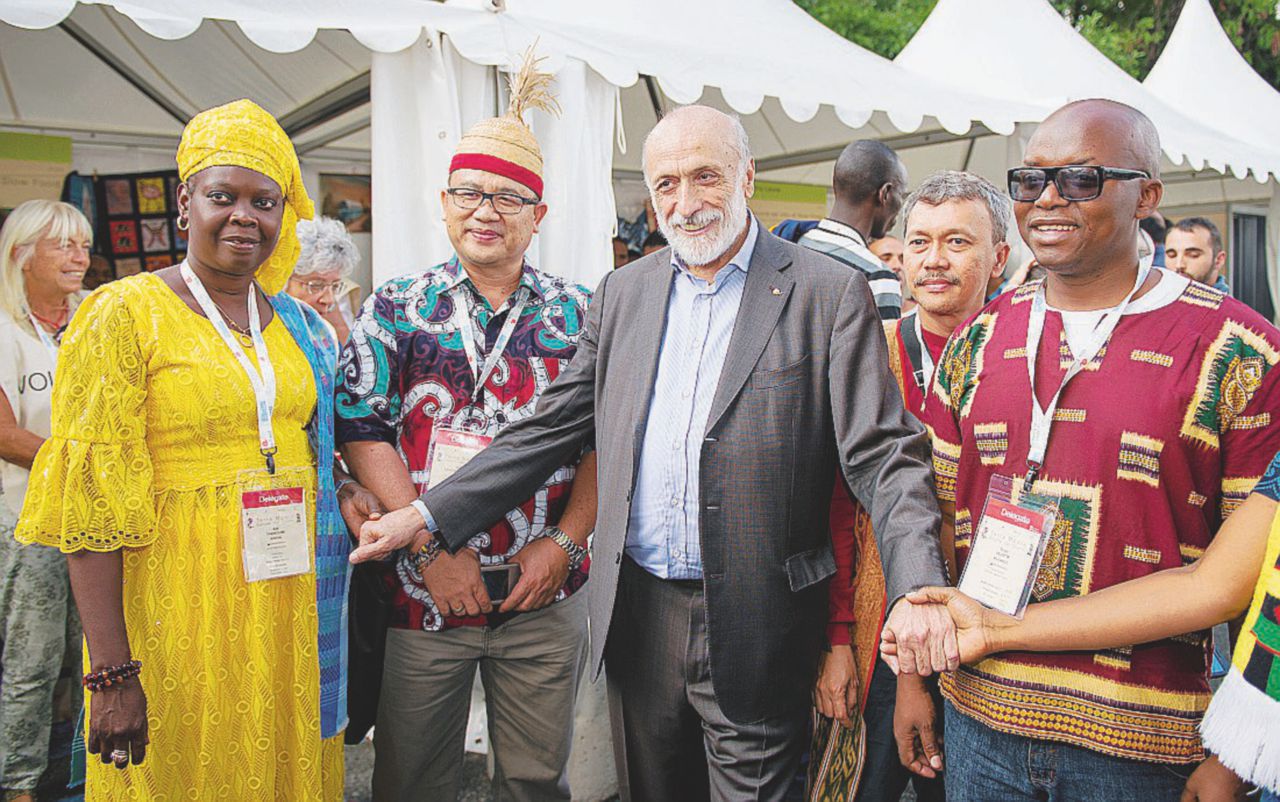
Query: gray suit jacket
x=805 y=389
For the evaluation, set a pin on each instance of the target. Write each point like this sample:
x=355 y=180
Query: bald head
x=697 y=124
x=1084 y=239
x=1126 y=135
x=863 y=168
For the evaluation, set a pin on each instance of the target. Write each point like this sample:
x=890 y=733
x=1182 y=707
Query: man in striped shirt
x=869 y=184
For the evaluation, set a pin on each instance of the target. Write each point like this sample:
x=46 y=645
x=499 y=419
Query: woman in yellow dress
x=182 y=482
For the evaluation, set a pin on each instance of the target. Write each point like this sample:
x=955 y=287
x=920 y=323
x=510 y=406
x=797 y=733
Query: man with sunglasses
x=1149 y=423
x=438 y=363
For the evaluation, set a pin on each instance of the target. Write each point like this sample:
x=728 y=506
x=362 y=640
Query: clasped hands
x=970 y=631
x=454 y=580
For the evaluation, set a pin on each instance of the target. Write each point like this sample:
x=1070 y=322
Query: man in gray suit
x=722 y=381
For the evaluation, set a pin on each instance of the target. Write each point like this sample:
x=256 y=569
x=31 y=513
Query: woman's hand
x=1214 y=782
x=118 y=724
x=978 y=629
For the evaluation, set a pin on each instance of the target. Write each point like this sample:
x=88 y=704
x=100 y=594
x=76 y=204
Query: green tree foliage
x=881 y=26
x=1129 y=32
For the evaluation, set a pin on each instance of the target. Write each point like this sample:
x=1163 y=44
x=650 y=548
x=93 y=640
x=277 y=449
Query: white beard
x=705 y=248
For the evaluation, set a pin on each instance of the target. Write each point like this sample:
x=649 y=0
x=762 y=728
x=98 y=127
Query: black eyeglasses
x=504 y=203
x=1077 y=182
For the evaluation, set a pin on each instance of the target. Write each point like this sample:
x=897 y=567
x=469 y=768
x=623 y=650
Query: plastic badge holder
x=1008 y=546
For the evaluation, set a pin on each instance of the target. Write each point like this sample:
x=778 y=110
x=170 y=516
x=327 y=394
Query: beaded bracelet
x=112 y=675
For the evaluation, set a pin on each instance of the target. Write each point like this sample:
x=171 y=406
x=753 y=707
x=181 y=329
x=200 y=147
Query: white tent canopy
x=1034 y=56
x=1199 y=68
x=422 y=102
x=429 y=80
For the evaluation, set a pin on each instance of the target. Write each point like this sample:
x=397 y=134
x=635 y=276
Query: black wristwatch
x=577 y=554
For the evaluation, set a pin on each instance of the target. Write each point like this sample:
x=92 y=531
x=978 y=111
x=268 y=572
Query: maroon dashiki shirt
x=1153 y=444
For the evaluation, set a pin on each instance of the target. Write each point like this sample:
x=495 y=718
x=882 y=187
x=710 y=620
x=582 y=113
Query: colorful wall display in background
x=348 y=198
x=775 y=201
x=31 y=166
x=139 y=220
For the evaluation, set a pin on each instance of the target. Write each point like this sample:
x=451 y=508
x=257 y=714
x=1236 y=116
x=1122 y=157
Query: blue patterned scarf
x=333 y=571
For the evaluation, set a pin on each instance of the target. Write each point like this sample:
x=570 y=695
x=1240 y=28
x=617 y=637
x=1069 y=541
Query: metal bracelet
x=577 y=554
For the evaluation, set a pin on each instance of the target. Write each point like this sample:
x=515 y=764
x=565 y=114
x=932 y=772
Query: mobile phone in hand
x=499 y=580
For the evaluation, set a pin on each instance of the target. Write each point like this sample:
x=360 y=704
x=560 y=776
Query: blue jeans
x=985 y=765
x=1270 y=796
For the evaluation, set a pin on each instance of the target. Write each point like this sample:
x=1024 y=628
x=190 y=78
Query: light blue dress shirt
x=662 y=533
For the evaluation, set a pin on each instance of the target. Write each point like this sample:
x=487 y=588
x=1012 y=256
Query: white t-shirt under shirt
x=1079 y=326
x=26 y=378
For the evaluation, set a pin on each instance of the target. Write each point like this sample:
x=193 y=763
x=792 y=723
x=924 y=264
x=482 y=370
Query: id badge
x=449 y=450
x=1007 y=547
x=273 y=526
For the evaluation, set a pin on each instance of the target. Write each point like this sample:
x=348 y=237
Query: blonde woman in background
x=325 y=263
x=44 y=253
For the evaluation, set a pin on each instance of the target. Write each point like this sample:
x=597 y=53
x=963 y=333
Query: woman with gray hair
x=44 y=254
x=325 y=263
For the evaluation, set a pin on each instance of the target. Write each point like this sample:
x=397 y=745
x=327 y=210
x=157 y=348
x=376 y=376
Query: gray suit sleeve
x=512 y=468
x=883 y=451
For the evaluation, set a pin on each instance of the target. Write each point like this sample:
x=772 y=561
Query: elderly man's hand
x=382 y=536
x=925 y=636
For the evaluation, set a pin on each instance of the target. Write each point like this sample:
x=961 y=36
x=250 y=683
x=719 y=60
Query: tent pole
x=117 y=66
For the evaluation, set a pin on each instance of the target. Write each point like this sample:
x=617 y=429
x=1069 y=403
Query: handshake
x=382 y=534
x=936 y=629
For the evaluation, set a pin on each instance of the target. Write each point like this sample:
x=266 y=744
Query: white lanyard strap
x=462 y=319
x=1042 y=418
x=263 y=380
x=45 y=339
x=926 y=359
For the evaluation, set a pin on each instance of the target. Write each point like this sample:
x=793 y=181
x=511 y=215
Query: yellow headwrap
x=243 y=134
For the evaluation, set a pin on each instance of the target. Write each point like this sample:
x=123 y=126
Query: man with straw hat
x=438 y=363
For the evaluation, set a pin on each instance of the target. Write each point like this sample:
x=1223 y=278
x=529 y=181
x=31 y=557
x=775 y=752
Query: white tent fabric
x=1200 y=69
x=731 y=46
x=1034 y=56
x=734 y=46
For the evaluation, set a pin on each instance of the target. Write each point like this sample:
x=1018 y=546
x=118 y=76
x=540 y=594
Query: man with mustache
x=1142 y=403
x=956 y=229
x=723 y=381
x=869 y=182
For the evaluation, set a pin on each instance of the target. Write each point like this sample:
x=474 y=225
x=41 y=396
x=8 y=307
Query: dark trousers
x=671 y=740
x=884 y=778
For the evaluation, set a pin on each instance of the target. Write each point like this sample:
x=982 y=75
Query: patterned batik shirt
x=404 y=371
x=1153 y=444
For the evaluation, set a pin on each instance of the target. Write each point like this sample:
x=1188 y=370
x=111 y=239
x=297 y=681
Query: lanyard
x=462 y=319
x=45 y=339
x=263 y=380
x=1042 y=419
x=924 y=374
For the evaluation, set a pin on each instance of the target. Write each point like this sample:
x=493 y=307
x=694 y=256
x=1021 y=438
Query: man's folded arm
x=512 y=468
x=883 y=451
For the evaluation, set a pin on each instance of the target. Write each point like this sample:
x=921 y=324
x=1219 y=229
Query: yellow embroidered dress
x=152 y=422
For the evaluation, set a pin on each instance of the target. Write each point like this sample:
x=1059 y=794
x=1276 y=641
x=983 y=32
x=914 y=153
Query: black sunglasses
x=1077 y=182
